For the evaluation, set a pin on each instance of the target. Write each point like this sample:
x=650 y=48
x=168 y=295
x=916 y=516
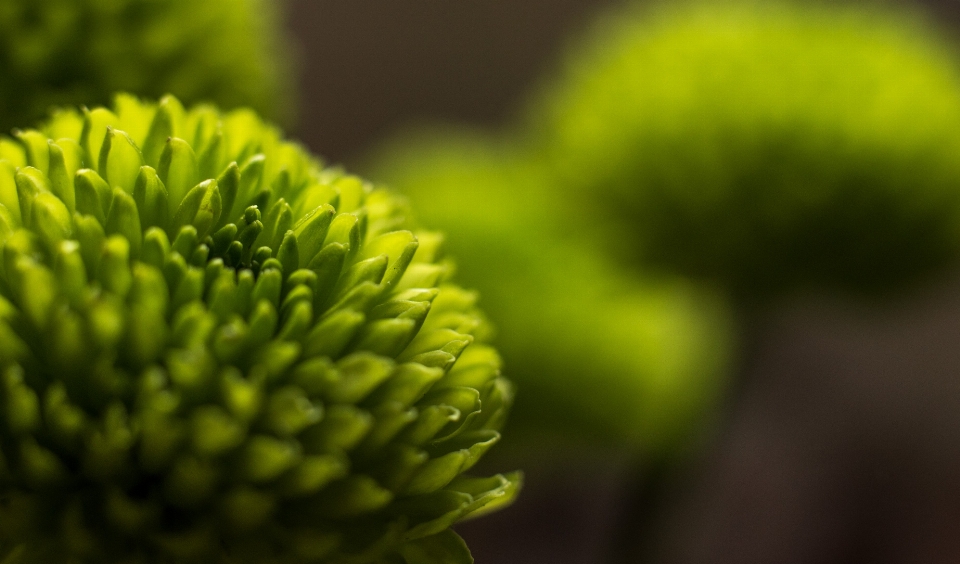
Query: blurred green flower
x=599 y=353
x=71 y=52
x=214 y=349
x=766 y=146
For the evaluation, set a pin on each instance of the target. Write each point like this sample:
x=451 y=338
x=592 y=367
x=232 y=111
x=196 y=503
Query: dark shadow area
x=368 y=66
x=844 y=445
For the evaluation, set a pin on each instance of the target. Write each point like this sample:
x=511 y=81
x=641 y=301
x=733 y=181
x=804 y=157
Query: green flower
x=765 y=146
x=213 y=348
x=70 y=52
x=600 y=353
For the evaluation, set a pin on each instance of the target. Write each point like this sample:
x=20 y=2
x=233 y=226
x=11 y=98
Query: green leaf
x=386 y=337
x=71 y=272
x=313 y=474
x=51 y=220
x=12 y=152
x=201 y=208
x=359 y=374
x=289 y=252
x=151 y=197
x=266 y=458
x=352 y=497
x=289 y=411
x=327 y=264
x=37 y=151
x=247 y=508
x=156 y=247
x=399 y=248
x=41 y=466
x=345 y=230
x=432 y=513
x=443 y=548
x=95 y=124
x=7 y=224
x=93 y=195
x=263 y=324
x=251 y=174
x=185 y=242
x=89 y=232
x=61 y=177
x=311 y=231
x=8 y=190
x=391 y=418
x=212 y=155
x=178 y=171
x=169 y=112
x=124 y=220
x=114 y=269
x=22 y=406
x=120 y=160
x=215 y=431
x=229 y=184
x=341 y=429
x=489 y=494
x=430 y=422
x=30 y=183
x=407 y=384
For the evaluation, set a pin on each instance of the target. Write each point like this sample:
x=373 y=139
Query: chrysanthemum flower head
x=70 y=52
x=767 y=146
x=213 y=348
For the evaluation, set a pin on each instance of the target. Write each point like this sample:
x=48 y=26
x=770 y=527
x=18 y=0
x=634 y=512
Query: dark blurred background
x=369 y=66
x=842 y=443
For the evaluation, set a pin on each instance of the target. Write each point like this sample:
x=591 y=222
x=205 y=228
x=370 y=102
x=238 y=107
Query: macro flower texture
x=212 y=348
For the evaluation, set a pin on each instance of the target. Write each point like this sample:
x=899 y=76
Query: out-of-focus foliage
x=767 y=146
x=212 y=349
x=596 y=352
x=71 y=52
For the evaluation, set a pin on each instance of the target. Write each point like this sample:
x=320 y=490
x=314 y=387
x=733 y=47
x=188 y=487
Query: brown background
x=371 y=66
